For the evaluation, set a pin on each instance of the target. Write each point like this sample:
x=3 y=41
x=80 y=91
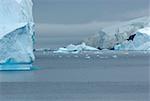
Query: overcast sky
x=84 y=11
x=61 y=22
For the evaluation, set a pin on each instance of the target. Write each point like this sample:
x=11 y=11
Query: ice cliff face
x=16 y=31
x=107 y=38
x=141 y=41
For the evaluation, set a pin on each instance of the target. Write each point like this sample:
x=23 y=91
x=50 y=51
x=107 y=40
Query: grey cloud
x=83 y=11
x=71 y=29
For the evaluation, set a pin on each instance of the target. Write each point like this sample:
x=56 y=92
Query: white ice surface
x=145 y=30
x=8 y=28
x=141 y=41
x=19 y=1
x=76 y=48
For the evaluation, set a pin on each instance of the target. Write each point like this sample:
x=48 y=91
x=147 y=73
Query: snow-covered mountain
x=16 y=31
x=108 y=37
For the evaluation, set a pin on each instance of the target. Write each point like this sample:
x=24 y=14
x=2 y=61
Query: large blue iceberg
x=16 y=32
x=141 y=41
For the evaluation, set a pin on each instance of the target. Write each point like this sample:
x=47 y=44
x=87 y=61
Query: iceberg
x=16 y=33
x=76 y=48
x=108 y=37
x=141 y=41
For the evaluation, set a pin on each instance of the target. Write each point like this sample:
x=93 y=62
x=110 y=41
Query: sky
x=72 y=20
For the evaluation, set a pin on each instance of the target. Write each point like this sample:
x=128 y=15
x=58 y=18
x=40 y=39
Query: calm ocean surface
x=88 y=76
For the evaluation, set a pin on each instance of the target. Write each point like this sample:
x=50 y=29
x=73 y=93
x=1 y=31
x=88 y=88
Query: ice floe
x=76 y=48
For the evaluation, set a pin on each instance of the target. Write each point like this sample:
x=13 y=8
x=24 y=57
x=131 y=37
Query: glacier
x=75 y=49
x=108 y=37
x=140 y=42
x=16 y=32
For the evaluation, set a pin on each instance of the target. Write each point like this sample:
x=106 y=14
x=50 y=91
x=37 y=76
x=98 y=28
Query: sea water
x=104 y=76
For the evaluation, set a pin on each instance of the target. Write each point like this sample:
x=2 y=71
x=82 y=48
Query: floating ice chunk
x=87 y=57
x=76 y=48
x=114 y=56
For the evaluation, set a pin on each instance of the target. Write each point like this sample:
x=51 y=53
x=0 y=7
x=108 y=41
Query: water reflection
x=15 y=67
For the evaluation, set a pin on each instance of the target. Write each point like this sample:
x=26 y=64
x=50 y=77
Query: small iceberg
x=76 y=48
